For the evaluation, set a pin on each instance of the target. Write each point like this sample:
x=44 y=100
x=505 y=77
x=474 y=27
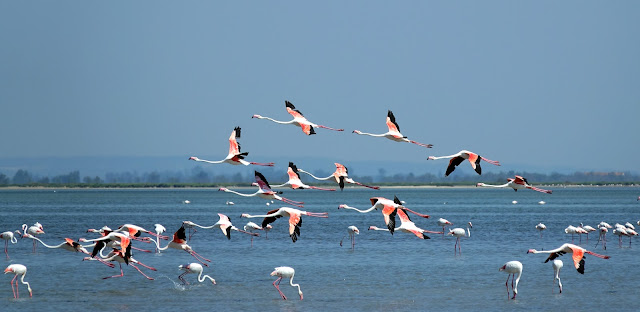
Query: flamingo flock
x=119 y=243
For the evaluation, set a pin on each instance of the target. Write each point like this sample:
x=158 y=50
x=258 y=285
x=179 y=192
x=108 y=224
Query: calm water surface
x=384 y=272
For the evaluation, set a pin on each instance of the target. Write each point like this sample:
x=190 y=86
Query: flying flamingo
x=557 y=265
x=407 y=226
x=516 y=184
x=159 y=228
x=180 y=242
x=443 y=222
x=341 y=175
x=8 y=236
x=128 y=230
x=195 y=268
x=264 y=191
x=294 y=215
x=33 y=230
x=117 y=255
x=388 y=208
x=224 y=224
x=352 y=230
x=19 y=269
x=235 y=157
x=295 y=182
x=459 y=232
x=136 y=231
x=393 y=133
x=576 y=251
x=602 y=237
x=298 y=120
x=541 y=227
x=512 y=268
x=458 y=158
x=285 y=272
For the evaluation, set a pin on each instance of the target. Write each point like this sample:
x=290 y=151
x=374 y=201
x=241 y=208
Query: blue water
x=384 y=272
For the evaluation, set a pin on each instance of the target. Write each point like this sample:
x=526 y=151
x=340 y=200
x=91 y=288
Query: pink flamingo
x=264 y=191
x=341 y=175
x=235 y=157
x=516 y=184
x=295 y=182
x=393 y=133
x=577 y=253
x=458 y=158
x=117 y=255
x=407 y=226
x=224 y=224
x=298 y=120
x=179 y=242
x=294 y=215
x=388 y=208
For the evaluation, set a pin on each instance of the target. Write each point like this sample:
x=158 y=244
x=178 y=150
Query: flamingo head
x=342 y=206
x=193 y=158
x=268 y=227
x=300 y=293
x=502 y=268
x=479 y=184
x=431 y=158
x=372 y=228
x=256 y=116
x=244 y=215
x=357 y=131
x=222 y=189
x=82 y=240
x=531 y=251
x=470 y=225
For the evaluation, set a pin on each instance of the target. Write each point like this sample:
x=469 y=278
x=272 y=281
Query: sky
x=546 y=84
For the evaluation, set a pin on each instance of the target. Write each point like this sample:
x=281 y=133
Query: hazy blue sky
x=553 y=84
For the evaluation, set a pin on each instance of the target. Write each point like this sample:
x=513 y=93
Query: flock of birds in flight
x=120 y=241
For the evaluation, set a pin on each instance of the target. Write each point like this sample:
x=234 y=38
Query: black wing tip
x=289 y=105
x=237 y=130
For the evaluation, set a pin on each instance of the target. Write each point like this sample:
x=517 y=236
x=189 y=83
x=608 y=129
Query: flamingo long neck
x=281 y=185
x=373 y=134
x=442 y=157
x=211 y=161
x=379 y=229
x=206 y=227
x=515 y=288
x=278 y=121
x=508 y=184
x=157 y=241
x=26 y=283
x=43 y=244
x=202 y=278
x=468 y=232
x=241 y=194
x=327 y=178
x=358 y=210
x=294 y=285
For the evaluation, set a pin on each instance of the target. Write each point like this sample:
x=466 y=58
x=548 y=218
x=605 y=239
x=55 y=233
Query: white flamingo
x=516 y=184
x=18 y=269
x=352 y=230
x=393 y=133
x=557 y=265
x=298 y=120
x=512 y=268
x=285 y=272
x=541 y=227
x=264 y=191
x=458 y=158
x=460 y=232
x=295 y=182
x=9 y=236
x=194 y=268
x=341 y=176
x=294 y=215
x=235 y=157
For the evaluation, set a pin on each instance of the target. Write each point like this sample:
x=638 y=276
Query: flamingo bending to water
x=352 y=230
x=298 y=120
x=541 y=227
x=285 y=272
x=264 y=191
x=393 y=133
x=557 y=265
x=194 y=268
x=235 y=157
x=294 y=215
x=512 y=268
x=18 y=269
x=341 y=175
x=577 y=252
x=458 y=158
x=516 y=184
x=9 y=236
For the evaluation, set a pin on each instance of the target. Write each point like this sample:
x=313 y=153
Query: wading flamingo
x=393 y=133
x=35 y=229
x=443 y=223
x=388 y=208
x=179 y=242
x=577 y=253
x=587 y=228
x=557 y=265
x=352 y=230
x=250 y=227
x=516 y=184
x=512 y=268
x=341 y=175
x=602 y=237
x=265 y=191
x=294 y=215
x=541 y=227
x=194 y=268
x=9 y=236
x=296 y=183
x=459 y=232
x=224 y=224
x=458 y=158
x=235 y=157
x=19 y=269
x=298 y=120
x=285 y=272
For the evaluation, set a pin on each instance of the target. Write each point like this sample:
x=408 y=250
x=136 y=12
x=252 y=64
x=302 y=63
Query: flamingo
x=576 y=251
x=516 y=184
x=341 y=175
x=456 y=159
x=388 y=208
x=224 y=224
x=443 y=222
x=295 y=182
x=630 y=226
x=393 y=133
x=136 y=231
x=512 y=268
x=602 y=237
x=179 y=242
x=285 y=272
x=407 y=226
x=352 y=230
x=541 y=227
x=195 y=268
x=19 y=269
x=298 y=120
x=119 y=256
x=621 y=231
x=8 y=236
x=557 y=265
x=264 y=191
x=295 y=218
x=235 y=157
x=571 y=230
x=159 y=228
x=459 y=232
x=35 y=229
x=588 y=229
x=250 y=227
x=604 y=224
